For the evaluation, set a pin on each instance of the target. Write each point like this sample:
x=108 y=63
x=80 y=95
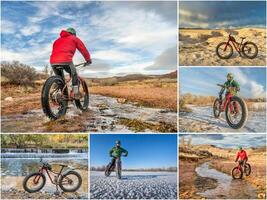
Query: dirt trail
x=201 y=119
x=227 y=188
x=104 y=115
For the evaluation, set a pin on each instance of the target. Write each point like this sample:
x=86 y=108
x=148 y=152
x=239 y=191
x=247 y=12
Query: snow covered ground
x=201 y=119
x=134 y=185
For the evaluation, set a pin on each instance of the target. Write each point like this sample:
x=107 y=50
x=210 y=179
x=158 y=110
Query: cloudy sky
x=123 y=37
x=202 y=81
x=229 y=140
x=222 y=14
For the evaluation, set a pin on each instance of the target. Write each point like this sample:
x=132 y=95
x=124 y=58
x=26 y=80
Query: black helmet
x=118 y=143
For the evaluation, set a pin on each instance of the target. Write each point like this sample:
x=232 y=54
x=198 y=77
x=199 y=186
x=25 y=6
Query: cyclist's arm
x=237 y=156
x=81 y=47
x=125 y=152
x=111 y=152
x=246 y=155
x=236 y=85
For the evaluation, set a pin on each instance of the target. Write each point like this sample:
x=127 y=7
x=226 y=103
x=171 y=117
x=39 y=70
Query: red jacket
x=64 y=48
x=242 y=155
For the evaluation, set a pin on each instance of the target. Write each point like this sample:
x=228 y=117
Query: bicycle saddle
x=243 y=37
x=62 y=165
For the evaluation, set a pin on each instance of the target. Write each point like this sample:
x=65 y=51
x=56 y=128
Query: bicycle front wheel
x=224 y=50
x=70 y=182
x=237 y=173
x=34 y=182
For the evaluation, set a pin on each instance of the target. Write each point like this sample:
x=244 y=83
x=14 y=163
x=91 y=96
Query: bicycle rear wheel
x=70 y=182
x=83 y=102
x=53 y=98
x=247 y=169
x=250 y=50
x=216 y=108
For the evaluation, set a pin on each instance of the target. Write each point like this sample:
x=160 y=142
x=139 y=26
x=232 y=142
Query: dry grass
x=24 y=99
x=188 y=98
x=139 y=126
x=152 y=93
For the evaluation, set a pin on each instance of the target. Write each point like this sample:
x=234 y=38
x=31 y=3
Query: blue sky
x=123 y=37
x=202 y=81
x=145 y=150
x=228 y=140
x=222 y=14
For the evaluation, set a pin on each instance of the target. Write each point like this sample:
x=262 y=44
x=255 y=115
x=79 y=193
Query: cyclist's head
x=240 y=148
x=230 y=76
x=118 y=143
x=71 y=30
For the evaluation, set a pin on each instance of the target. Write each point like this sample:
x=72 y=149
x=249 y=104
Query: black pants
x=69 y=68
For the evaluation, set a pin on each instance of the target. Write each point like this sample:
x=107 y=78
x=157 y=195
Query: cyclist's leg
x=57 y=71
x=74 y=76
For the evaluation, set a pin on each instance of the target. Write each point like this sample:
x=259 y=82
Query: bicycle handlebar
x=81 y=64
x=220 y=85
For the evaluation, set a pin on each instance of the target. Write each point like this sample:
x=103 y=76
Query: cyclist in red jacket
x=63 y=51
x=242 y=155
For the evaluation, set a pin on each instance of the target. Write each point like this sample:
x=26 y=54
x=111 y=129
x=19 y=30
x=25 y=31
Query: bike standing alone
x=116 y=153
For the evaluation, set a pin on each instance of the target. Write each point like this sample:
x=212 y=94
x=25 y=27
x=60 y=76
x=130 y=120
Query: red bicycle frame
x=43 y=170
x=71 y=96
x=235 y=44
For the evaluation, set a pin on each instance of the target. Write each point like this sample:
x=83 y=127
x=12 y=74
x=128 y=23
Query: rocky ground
x=197 y=47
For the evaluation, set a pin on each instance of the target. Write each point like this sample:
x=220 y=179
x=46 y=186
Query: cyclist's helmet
x=118 y=143
x=71 y=30
x=240 y=148
x=230 y=76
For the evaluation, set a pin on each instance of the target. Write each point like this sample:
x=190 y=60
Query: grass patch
x=139 y=126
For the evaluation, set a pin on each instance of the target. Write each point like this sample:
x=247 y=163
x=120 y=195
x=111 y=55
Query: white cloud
x=30 y=30
x=257 y=90
x=128 y=38
x=115 y=55
x=7 y=27
x=253 y=89
x=167 y=60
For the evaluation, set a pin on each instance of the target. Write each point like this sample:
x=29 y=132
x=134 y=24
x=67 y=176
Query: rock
x=102 y=107
x=121 y=100
x=9 y=99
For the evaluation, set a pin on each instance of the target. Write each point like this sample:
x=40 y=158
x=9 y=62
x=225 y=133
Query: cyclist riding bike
x=63 y=51
x=232 y=88
x=117 y=151
x=242 y=156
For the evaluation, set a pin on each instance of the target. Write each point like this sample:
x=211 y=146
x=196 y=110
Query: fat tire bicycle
x=240 y=170
x=34 y=182
x=224 y=50
x=233 y=106
x=57 y=92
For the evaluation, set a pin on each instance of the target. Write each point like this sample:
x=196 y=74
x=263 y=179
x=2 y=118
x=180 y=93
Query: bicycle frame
x=236 y=45
x=67 y=81
x=45 y=170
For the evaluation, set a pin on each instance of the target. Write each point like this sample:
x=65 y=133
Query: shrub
x=18 y=73
x=216 y=34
